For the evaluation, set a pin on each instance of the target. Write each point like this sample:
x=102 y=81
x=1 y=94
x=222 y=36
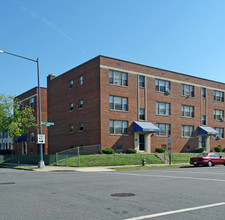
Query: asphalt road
x=175 y=193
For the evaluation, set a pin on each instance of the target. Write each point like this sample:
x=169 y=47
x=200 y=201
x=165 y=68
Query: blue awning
x=207 y=130
x=145 y=126
x=21 y=138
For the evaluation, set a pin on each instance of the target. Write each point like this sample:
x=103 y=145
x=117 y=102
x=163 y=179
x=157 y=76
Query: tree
x=15 y=118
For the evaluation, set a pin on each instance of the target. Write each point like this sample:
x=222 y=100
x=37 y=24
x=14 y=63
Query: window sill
x=187 y=117
x=163 y=115
x=113 y=110
x=218 y=101
x=187 y=97
x=118 y=85
x=119 y=135
x=160 y=136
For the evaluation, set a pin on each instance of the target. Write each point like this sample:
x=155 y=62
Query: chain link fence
x=71 y=157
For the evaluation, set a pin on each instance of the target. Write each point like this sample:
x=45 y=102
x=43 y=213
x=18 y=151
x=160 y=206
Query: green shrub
x=160 y=150
x=108 y=151
x=218 y=149
x=131 y=151
x=199 y=150
x=6 y=152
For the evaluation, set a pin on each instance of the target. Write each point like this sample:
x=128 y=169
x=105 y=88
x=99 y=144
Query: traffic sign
x=41 y=138
x=47 y=123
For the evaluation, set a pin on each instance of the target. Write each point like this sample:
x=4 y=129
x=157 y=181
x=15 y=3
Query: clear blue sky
x=186 y=36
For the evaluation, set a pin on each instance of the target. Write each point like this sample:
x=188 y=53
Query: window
x=187 y=90
x=71 y=83
x=31 y=102
x=81 y=80
x=118 y=78
x=221 y=132
x=187 y=147
x=80 y=127
x=118 y=103
x=162 y=108
x=142 y=114
x=187 y=131
x=118 y=127
x=81 y=103
x=164 y=130
x=141 y=81
x=32 y=137
x=5 y=134
x=203 y=92
x=203 y=119
x=162 y=85
x=23 y=105
x=218 y=115
x=71 y=128
x=71 y=107
x=187 y=111
x=218 y=96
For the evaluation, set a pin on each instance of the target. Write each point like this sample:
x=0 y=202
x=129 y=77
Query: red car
x=209 y=159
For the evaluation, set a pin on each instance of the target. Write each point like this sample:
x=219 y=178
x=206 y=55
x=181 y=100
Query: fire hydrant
x=143 y=162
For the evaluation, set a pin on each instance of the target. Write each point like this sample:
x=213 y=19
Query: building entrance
x=141 y=142
x=204 y=141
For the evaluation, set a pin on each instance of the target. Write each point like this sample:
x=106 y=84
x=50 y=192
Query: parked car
x=207 y=159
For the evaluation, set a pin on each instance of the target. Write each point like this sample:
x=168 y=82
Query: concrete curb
x=82 y=169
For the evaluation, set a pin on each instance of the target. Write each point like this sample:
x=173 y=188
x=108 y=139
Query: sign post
x=169 y=148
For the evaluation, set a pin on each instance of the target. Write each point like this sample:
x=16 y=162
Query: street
x=166 y=193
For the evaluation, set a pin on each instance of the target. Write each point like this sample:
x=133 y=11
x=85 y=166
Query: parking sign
x=41 y=139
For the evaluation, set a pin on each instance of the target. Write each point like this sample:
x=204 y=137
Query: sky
x=185 y=36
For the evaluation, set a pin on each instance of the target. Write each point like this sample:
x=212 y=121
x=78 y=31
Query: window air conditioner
x=217 y=137
x=167 y=92
x=221 y=119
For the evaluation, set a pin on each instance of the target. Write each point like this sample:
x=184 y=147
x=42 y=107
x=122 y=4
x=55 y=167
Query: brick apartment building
x=122 y=105
x=28 y=144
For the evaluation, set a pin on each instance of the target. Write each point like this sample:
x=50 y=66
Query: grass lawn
x=107 y=160
x=182 y=157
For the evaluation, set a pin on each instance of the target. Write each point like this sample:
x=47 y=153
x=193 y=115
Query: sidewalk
x=77 y=169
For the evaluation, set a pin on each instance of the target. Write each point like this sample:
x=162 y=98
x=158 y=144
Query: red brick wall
x=59 y=98
x=33 y=148
x=175 y=98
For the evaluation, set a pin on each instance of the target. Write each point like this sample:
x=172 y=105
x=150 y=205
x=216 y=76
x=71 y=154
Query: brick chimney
x=49 y=78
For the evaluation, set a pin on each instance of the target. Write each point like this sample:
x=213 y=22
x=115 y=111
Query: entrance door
x=24 y=147
x=141 y=142
x=204 y=141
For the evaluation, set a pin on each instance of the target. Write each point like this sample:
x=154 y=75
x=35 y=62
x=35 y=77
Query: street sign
x=41 y=138
x=48 y=124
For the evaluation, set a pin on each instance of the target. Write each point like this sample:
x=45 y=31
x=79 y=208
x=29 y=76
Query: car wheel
x=210 y=163
x=196 y=165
